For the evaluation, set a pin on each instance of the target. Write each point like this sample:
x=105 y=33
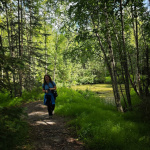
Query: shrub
x=13 y=130
x=108 y=80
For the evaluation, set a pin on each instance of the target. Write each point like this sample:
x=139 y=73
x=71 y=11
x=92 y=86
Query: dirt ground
x=49 y=134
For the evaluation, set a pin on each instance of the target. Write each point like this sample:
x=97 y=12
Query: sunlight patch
x=50 y=122
x=45 y=123
x=37 y=113
x=40 y=122
x=71 y=140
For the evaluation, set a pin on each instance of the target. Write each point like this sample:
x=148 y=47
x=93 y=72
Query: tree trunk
x=113 y=65
x=56 y=48
x=111 y=69
x=30 y=45
x=125 y=61
x=132 y=80
x=45 y=55
x=54 y=72
x=20 y=47
x=135 y=29
x=1 y=65
x=9 y=42
x=19 y=28
x=147 y=50
x=8 y=31
x=121 y=62
x=112 y=72
x=148 y=72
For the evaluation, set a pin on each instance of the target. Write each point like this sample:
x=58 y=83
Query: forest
x=76 y=42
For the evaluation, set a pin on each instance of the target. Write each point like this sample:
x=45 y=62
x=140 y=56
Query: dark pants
x=50 y=106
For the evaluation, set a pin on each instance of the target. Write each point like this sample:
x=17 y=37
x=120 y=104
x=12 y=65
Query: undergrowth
x=13 y=128
x=99 y=125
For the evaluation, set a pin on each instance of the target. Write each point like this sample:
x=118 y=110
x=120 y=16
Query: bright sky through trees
x=147 y=4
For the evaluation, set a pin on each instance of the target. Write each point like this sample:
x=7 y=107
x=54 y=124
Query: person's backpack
x=54 y=91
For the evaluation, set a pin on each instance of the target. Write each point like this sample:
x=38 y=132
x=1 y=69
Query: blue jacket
x=46 y=87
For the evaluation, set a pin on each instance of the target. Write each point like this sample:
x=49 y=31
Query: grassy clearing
x=99 y=124
x=102 y=89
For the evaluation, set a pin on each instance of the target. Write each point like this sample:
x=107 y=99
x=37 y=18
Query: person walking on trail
x=49 y=100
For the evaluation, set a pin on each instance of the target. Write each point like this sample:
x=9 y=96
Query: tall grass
x=99 y=125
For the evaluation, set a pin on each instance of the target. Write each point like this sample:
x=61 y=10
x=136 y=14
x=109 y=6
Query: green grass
x=27 y=96
x=94 y=121
x=13 y=128
x=104 y=90
x=99 y=125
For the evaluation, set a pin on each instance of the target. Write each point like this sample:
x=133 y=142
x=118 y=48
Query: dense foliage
x=14 y=129
x=76 y=42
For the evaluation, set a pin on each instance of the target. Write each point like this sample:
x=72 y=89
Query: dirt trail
x=49 y=134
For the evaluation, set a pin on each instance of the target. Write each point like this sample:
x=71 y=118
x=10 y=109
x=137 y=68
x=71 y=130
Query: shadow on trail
x=49 y=134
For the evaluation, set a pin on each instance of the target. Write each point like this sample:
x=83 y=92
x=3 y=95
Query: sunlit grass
x=94 y=87
x=104 y=90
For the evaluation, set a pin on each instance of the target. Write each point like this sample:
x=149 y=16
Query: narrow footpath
x=49 y=134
